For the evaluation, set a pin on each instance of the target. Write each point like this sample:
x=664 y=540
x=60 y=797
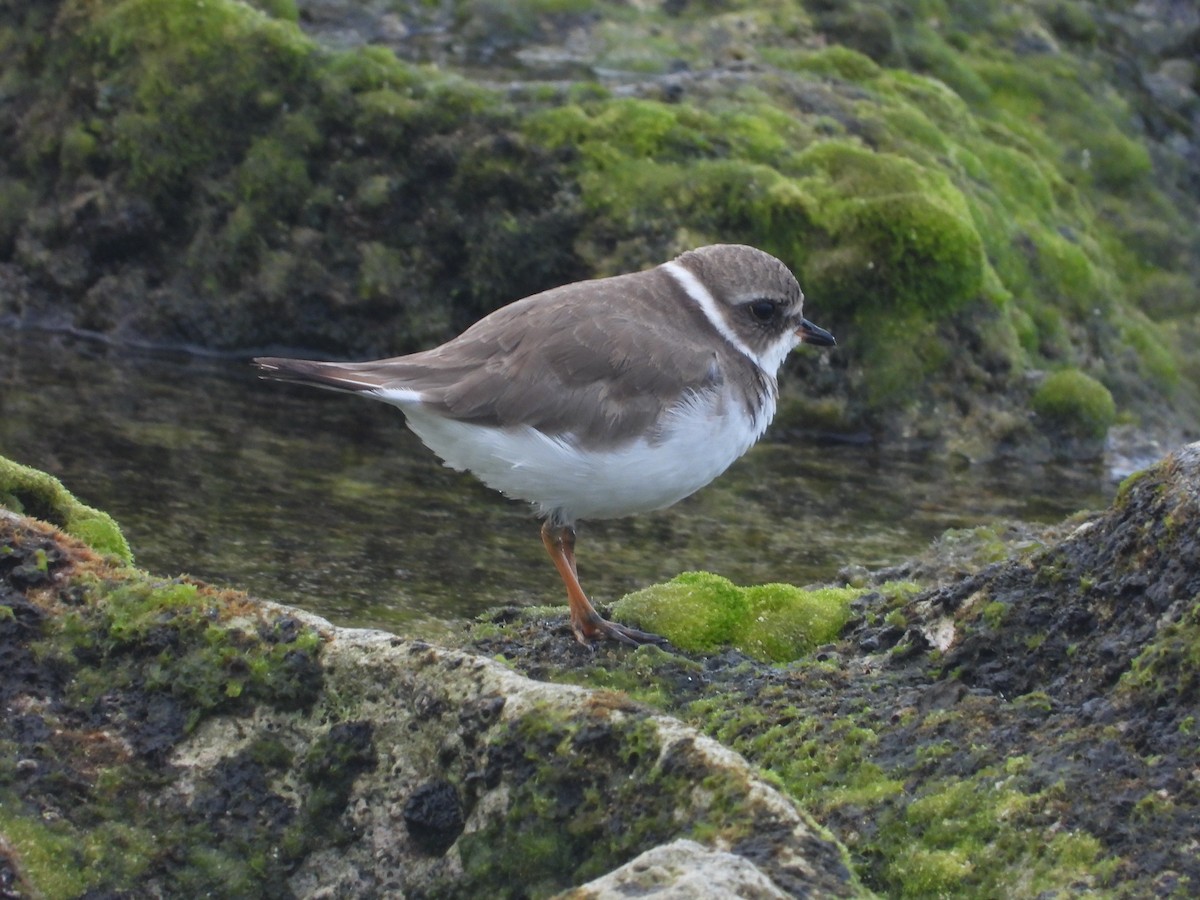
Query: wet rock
x=303 y=184
x=1042 y=697
x=172 y=722
x=679 y=870
x=434 y=816
x=1032 y=722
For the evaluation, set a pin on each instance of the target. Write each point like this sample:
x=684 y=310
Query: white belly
x=699 y=440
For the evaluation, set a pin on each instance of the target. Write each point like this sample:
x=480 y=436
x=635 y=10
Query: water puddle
x=329 y=503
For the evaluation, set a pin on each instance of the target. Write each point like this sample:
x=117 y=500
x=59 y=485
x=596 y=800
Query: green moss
x=273 y=176
x=1159 y=294
x=702 y=612
x=78 y=149
x=888 y=232
x=375 y=192
x=205 y=667
x=41 y=848
x=382 y=271
x=202 y=77
x=386 y=115
x=928 y=835
x=16 y=198
x=897 y=593
x=696 y=611
x=1069 y=274
x=904 y=350
x=1037 y=703
x=823 y=764
x=1116 y=161
x=994 y=614
x=1168 y=669
x=932 y=52
x=1158 y=362
x=1074 y=402
x=968 y=837
x=645 y=675
x=110 y=853
x=785 y=622
x=1019 y=174
x=840 y=62
x=1153 y=805
x=555 y=833
x=1070 y=21
x=1053 y=338
x=1125 y=491
x=1024 y=328
x=138 y=663
x=279 y=9
x=33 y=493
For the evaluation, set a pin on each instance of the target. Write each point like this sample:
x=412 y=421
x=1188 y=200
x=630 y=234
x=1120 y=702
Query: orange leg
x=587 y=624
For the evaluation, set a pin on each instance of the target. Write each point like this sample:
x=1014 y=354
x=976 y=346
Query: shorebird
x=599 y=399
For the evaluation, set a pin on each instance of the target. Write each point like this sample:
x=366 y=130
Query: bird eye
x=763 y=310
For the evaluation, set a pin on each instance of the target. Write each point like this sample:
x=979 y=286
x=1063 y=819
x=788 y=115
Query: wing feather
x=600 y=360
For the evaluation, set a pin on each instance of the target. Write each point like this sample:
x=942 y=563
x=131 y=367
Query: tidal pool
x=327 y=502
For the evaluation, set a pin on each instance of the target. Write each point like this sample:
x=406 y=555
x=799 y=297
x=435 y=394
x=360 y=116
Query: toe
x=597 y=628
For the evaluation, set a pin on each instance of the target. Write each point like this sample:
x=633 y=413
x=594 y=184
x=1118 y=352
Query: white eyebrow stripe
x=703 y=298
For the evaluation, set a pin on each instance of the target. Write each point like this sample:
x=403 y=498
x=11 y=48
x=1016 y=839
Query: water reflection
x=327 y=502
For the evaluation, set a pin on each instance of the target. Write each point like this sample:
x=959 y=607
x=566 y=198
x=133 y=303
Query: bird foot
x=594 y=628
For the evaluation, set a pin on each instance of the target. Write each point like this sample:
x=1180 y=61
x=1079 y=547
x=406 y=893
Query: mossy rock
x=886 y=233
x=786 y=622
x=949 y=165
x=126 y=667
x=1072 y=401
x=702 y=612
x=29 y=492
x=695 y=610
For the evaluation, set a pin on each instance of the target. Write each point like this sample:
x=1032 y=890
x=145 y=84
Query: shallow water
x=328 y=502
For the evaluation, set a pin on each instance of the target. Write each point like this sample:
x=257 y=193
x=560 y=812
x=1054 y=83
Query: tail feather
x=336 y=376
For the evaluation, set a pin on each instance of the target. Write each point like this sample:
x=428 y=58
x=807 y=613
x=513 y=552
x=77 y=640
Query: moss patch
x=1074 y=402
x=888 y=233
x=555 y=832
x=587 y=794
x=108 y=670
x=702 y=612
x=30 y=492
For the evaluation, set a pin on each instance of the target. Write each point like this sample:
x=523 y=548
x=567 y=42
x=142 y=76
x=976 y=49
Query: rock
x=678 y=871
x=1024 y=726
x=210 y=743
x=486 y=779
x=367 y=179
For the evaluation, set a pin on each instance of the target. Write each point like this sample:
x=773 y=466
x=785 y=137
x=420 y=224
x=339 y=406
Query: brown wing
x=601 y=359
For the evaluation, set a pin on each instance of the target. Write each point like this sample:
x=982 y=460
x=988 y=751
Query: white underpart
x=695 y=442
x=698 y=441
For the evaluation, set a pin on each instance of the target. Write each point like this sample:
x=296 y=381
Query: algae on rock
x=182 y=740
x=1023 y=724
x=34 y=493
x=959 y=188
